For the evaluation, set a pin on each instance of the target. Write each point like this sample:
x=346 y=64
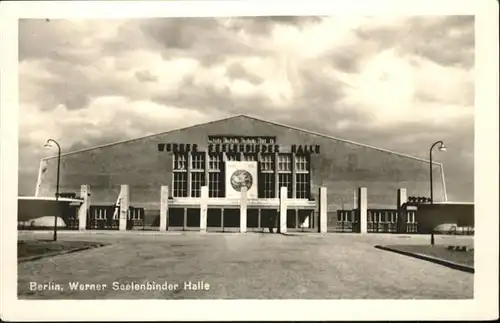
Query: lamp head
x=47 y=144
x=442 y=147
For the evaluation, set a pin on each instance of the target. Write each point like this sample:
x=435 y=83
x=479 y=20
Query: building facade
x=237 y=152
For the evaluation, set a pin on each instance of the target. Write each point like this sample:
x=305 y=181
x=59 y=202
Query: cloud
x=76 y=41
x=145 y=76
x=392 y=90
x=264 y=25
x=395 y=82
x=129 y=119
x=204 y=39
x=446 y=40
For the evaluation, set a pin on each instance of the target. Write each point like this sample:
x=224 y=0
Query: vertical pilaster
x=276 y=176
x=296 y=219
x=310 y=169
x=283 y=210
x=172 y=178
x=84 y=207
x=189 y=180
x=164 y=208
x=243 y=209
x=184 y=219
x=222 y=177
x=294 y=177
x=259 y=218
x=207 y=163
x=222 y=219
x=363 y=209
x=203 y=208
x=124 y=207
x=323 y=206
x=402 y=197
x=401 y=200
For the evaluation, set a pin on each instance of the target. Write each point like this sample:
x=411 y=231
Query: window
x=214 y=187
x=214 y=163
x=285 y=179
x=284 y=163
x=233 y=157
x=198 y=162
x=266 y=185
x=267 y=179
x=285 y=173
x=197 y=181
x=180 y=161
x=197 y=173
x=302 y=185
x=301 y=163
x=266 y=163
x=249 y=157
x=180 y=184
x=180 y=175
x=214 y=175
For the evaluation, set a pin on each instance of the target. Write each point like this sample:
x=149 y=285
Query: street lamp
x=48 y=145
x=441 y=148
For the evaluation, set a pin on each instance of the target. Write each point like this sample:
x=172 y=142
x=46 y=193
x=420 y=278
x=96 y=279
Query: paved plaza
x=250 y=266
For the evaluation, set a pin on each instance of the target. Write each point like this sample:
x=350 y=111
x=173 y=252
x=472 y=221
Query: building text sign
x=255 y=140
x=240 y=144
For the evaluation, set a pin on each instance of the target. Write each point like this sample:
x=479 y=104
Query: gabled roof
x=260 y=120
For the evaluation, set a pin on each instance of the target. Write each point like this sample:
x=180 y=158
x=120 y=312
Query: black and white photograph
x=273 y=156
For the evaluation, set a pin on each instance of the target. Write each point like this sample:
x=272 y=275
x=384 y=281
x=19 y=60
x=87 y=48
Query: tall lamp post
x=441 y=148
x=48 y=145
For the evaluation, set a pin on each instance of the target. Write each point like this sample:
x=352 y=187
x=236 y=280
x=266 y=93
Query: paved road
x=257 y=266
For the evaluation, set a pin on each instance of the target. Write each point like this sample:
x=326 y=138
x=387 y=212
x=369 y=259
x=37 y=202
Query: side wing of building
x=339 y=165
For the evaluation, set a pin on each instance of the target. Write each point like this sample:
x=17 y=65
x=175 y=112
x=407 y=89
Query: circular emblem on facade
x=241 y=178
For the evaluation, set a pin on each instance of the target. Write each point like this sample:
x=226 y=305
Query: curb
x=52 y=254
x=442 y=262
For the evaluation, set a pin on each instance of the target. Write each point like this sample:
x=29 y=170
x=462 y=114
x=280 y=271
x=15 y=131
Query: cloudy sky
x=399 y=83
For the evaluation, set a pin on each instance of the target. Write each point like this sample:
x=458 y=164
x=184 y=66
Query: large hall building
x=228 y=154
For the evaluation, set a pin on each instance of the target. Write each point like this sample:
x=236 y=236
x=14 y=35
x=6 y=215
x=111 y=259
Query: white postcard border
x=485 y=303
